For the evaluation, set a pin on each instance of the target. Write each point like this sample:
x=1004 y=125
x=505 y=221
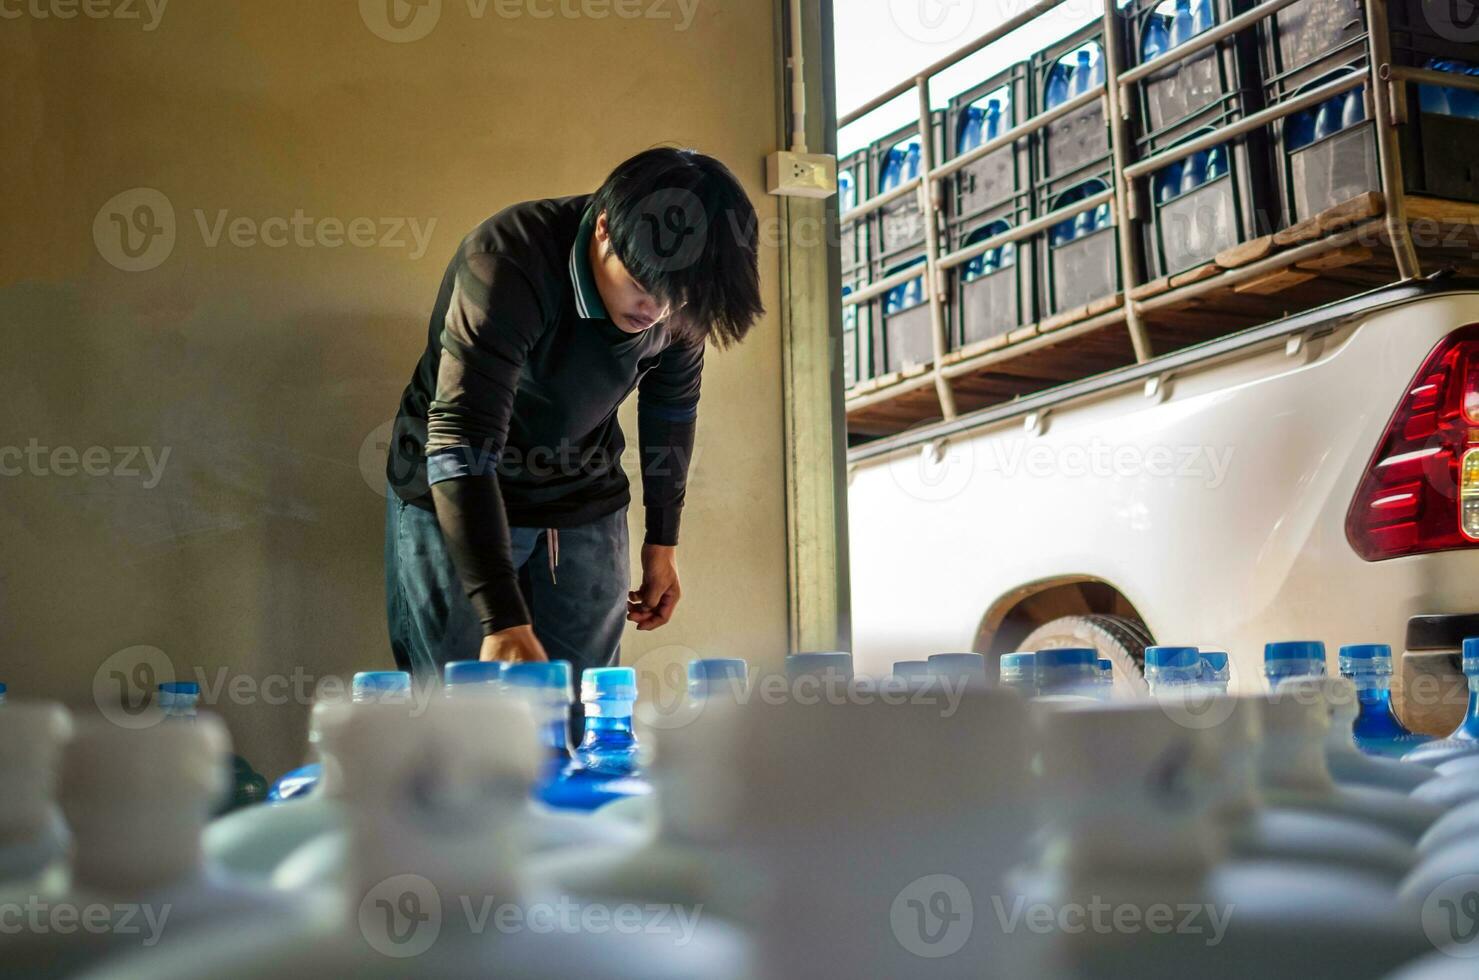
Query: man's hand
x=517 y=644
x=652 y=605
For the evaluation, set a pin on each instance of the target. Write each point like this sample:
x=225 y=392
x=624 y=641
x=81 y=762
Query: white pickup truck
x=1304 y=479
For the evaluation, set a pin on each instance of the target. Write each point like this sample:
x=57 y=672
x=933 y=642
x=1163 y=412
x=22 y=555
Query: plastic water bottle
x=472 y=677
x=1168 y=667
x=834 y=667
x=604 y=769
x=1181 y=24
x=1354 y=110
x=136 y=801
x=1463 y=740
x=1434 y=98
x=1348 y=765
x=1194 y=172
x=1462 y=102
x=546 y=688
x=1157 y=38
x=1216 y=163
x=1299 y=131
x=1083 y=224
x=970 y=129
x=1215 y=671
x=1203 y=17
x=911 y=160
x=1231 y=729
x=1126 y=825
x=1327 y=120
x=1168 y=182
x=913 y=675
x=1083 y=74
x=178 y=700
x=1068 y=673
x=1056 y=91
x=1377 y=728
x=368 y=686
x=725 y=677
x=1018 y=671
x=33 y=838
x=993 y=120
x=958 y=668
x=1296 y=768
x=1106 y=675
x=1292 y=658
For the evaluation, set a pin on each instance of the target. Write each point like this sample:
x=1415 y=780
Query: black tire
x=1120 y=641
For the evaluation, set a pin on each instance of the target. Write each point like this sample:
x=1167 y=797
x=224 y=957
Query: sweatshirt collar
x=582 y=280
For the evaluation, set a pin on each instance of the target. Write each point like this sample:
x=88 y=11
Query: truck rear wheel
x=1120 y=641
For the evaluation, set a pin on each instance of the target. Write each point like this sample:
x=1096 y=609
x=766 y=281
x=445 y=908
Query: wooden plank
x=1275 y=282
x=1441 y=210
x=975 y=347
x=1196 y=274
x=1350 y=255
x=1245 y=252
x=1069 y=317
x=1350 y=212
x=1153 y=288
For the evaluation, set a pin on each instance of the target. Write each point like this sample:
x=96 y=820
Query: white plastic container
x=1295 y=764
x=33 y=836
x=1126 y=834
x=137 y=801
x=435 y=803
x=1230 y=730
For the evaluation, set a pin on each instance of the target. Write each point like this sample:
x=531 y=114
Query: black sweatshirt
x=511 y=413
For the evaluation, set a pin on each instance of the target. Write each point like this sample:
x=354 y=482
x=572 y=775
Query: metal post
x=1379 y=41
x=1130 y=273
x=928 y=206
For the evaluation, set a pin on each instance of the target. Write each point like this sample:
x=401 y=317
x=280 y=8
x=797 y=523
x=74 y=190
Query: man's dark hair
x=681 y=224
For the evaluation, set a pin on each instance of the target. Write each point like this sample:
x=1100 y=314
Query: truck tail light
x=1420 y=492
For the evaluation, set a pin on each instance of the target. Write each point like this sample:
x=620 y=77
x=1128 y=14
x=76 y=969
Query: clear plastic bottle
x=137 y=801
x=1106 y=675
x=605 y=767
x=1463 y=740
x=1182 y=27
x=1169 y=667
x=1296 y=769
x=1292 y=658
x=1055 y=93
x=1068 y=672
x=1203 y=17
x=993 y=120
x=1377 y=730
x=726 y=677
x=1018 y=671
x=1215 y=671
x=1349 y=765
x=1128 y=829
x=969 y=668
x=1083 y=72
x=1157 y=38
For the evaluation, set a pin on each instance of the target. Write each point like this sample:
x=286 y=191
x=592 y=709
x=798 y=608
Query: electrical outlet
x=790 y=174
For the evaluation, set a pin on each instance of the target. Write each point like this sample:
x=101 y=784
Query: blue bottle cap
x=608 y=684
x=718 y=669
x=911 y=668
x=553 y=675
x=1171 y=657
x=381 y=682
x=798 y=664
x=472 y=672
x=1106 y=664
x=1067 y=657
x=1294 y=650
x=1471 y=656
x=1215 y=659
x=955 y=663
x=180 y=687
x=1366 y=658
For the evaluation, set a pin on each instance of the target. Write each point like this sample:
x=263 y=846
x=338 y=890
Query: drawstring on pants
x=552 y=538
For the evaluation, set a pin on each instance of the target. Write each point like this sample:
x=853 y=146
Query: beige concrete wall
x=265 y=369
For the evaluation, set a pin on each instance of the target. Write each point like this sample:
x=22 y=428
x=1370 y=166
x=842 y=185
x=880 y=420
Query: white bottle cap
x=138 y=799
x=442 y=793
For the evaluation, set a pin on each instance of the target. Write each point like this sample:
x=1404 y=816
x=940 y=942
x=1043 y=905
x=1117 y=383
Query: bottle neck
x=555 y=731
x=1471 y=717
x=600 y=728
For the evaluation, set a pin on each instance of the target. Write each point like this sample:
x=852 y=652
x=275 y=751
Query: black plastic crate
x=1080 y=140
x=1308 y=40
x=1078 y=258
x=899 y=320
x=899 y=226
x=1327 y=154
x=1209 y=201
x=976 y=116
x=852 y=179
x=993 y=294
x=1439 y=138
x=1210 y=82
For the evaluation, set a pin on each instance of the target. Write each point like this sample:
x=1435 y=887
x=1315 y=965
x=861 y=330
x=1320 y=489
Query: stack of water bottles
x=1443 y=100
x=1052 y=820
x=982 y=125
x=1332 y=116
x=1065 y=83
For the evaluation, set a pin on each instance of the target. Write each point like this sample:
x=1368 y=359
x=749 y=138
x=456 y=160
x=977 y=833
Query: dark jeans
x=578 y=612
